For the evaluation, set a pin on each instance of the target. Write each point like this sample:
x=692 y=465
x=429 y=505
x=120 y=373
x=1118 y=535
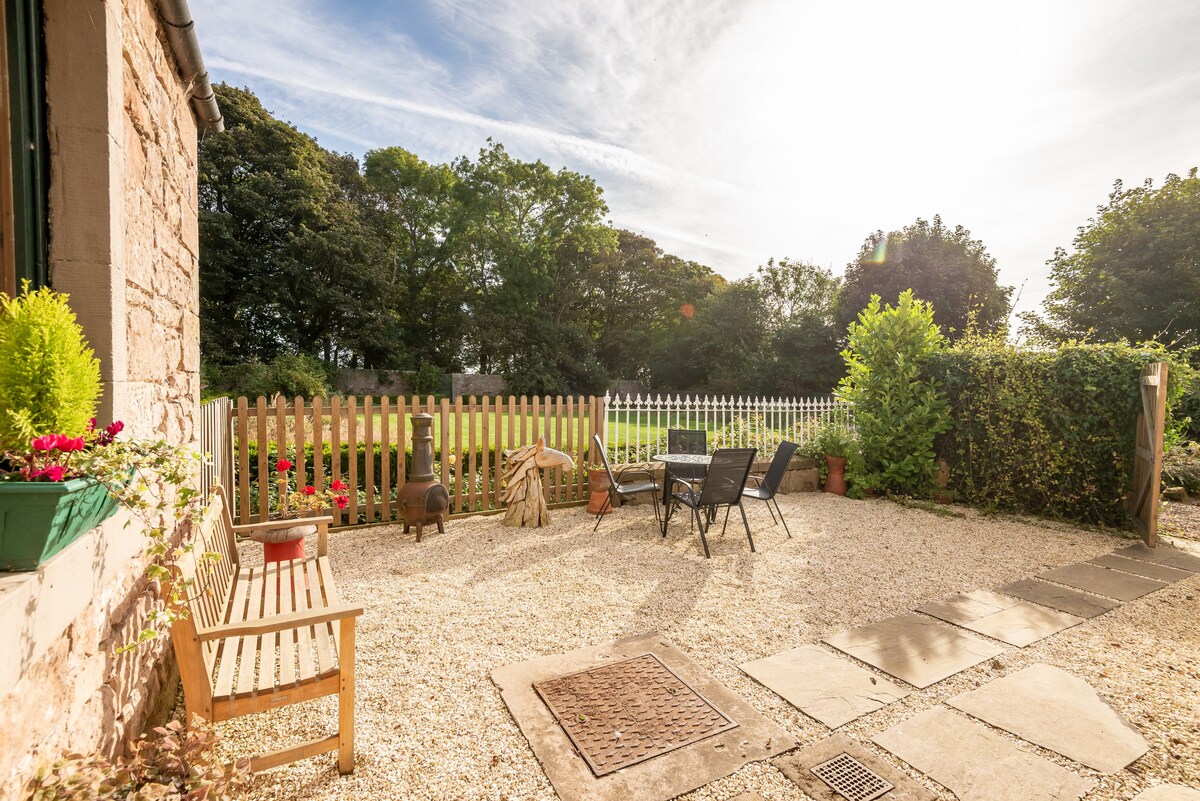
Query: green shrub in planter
x=49 y=377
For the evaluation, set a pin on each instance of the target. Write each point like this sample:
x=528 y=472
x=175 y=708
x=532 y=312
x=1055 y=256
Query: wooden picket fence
x=470 y=436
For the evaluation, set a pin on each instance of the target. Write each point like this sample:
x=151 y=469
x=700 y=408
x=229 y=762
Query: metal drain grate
x=629 y=711
x=851 y=779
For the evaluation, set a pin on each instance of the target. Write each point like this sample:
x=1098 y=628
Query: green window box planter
x=38 y=519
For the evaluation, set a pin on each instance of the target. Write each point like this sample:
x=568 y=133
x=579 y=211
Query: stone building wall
x=124 y=246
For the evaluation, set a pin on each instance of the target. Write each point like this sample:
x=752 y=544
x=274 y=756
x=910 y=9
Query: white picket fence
x=637 y=426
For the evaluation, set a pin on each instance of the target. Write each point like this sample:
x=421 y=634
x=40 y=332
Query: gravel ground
x=442 y=614
x=1180 y=520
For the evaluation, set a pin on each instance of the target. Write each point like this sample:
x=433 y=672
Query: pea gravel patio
x=441 y=615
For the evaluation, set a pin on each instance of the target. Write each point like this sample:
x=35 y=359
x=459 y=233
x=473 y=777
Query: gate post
x=1148 y=456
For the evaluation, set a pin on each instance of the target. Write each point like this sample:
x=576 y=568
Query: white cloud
x=735 y=131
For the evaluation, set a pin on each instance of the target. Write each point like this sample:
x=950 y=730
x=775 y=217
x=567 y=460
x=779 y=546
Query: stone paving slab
x=657 y=779
x=1168 y=792
x=823 y=686
x=914 y=648
x=797 y=767
x=967 y=607
x=1102 y=581
x=1162 y=555
x=1024 y=624
x=1138 y=567
x=1059 y=711
x=1072 y=602
x=976 y=764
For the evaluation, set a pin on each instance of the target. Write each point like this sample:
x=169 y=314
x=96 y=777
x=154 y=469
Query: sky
x=733 y=131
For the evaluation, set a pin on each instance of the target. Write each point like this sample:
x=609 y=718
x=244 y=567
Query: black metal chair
x=624 y=490
x=768 y=485
x=723 y=484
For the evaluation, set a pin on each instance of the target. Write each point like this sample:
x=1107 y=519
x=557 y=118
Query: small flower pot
x=835 y=482
x=598 y=486
x=40 y=518
x=284 y=544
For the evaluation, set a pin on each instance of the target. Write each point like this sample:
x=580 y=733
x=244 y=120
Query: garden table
x=677 y=458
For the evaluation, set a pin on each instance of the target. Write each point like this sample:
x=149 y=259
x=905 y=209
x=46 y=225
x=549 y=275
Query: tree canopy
x=941 y=265
x=1134 y=269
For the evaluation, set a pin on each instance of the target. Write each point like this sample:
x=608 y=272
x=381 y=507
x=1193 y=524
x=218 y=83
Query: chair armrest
x=687 y=482
x=620 y=474
x=267 y=625
x=322 y=523
x=246 y=528
x=755 y=477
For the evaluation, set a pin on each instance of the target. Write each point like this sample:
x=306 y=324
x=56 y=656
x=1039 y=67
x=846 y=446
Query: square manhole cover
x=621 y=714
x=851 y=779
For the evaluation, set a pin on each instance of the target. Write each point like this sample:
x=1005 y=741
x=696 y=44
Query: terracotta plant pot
x=598 y=485
x=835 y=482
x=284 y=544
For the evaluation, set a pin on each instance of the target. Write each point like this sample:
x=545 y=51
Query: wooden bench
x=259 y=638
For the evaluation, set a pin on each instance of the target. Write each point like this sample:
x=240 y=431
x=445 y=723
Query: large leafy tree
x=941 y=265
x=283 y=251
x=414 y=206
x=799 y=313
x=1134 y=269
x=636 y=298
x=523 y=237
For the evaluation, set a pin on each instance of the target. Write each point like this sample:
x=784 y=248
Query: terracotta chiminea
x=423 y=499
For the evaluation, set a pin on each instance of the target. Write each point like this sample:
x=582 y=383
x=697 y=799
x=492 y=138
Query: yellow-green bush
x=49 y=377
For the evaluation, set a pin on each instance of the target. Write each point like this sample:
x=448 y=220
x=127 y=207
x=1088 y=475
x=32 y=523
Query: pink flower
x=338 y=486
x=52 y=473
x=46 y=443
x=310 y=490
x=283 y=465
x=91 y=425
x=342 y=501
x=114 y=428
x=65 y=443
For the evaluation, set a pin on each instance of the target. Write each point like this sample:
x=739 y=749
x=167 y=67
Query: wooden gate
x=216 y=441
x=1147 y=467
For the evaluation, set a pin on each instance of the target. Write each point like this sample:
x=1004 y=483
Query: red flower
x=114 y=428
x=342 y=501
x=46 y=443
x=310 y=490
x=65 y=443
x=338 y=486
x=91 y=425
x=283 y=465
x=52 y=473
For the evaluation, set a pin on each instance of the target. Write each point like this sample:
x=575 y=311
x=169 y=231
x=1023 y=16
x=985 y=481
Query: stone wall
x=464 y=385
x=352 y=381
x=124 y=246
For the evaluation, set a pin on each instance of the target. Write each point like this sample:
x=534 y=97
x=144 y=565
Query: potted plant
x=49 y=386
x=836 y=444
x=598 y=486
x=294 y=501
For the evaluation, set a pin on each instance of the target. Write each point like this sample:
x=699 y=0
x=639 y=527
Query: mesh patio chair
x=624 y=490
x=723 y=484
x=768 y=485
x=688 y=440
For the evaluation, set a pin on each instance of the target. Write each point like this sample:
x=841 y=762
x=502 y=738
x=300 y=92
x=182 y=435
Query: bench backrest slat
x=208 y=597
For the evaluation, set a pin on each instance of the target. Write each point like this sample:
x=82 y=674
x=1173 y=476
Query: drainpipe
x=181 y=35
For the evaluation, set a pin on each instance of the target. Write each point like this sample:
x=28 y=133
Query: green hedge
x=273 y=453
x=1047 y=432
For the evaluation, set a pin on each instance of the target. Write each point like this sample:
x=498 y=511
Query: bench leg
x=346 y=698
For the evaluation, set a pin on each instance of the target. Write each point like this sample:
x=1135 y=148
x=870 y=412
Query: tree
x=943 y=266
x=898 y=411
x=523 y=238
x=799 y=303
x=1134 y=272
x=284 y=264
x=636 y=297
x=414 y=204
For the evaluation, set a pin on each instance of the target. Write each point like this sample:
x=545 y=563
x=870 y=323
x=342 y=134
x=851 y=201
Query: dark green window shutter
x=30 y=147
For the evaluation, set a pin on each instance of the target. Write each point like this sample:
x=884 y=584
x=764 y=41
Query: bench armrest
x=275 y=623
x=322 y=524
